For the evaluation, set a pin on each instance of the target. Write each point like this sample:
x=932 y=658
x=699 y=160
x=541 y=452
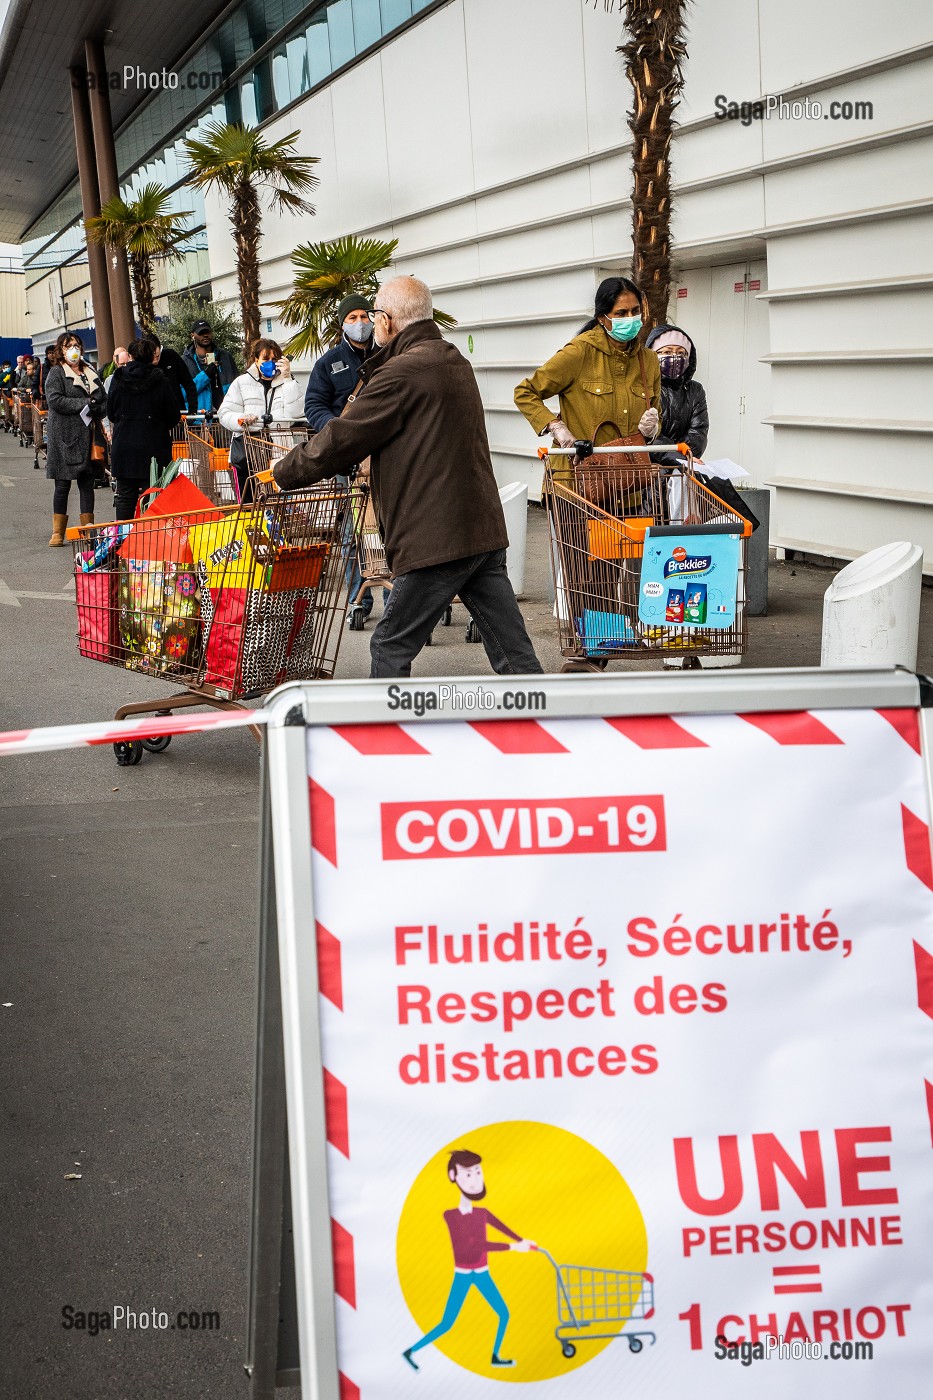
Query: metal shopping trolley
x=265 y=445
x=228 y=603
x=23 y=416
x=39 y=444
x=598 y=526
x=6 y=411
x=600 y=1298
x=209 y=467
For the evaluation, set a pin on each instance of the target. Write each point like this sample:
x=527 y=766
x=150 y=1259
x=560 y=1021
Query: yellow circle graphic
x=550 y=1187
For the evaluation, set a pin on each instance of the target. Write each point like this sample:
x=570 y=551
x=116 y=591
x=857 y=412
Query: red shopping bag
x=98 y=616
x=162 y=531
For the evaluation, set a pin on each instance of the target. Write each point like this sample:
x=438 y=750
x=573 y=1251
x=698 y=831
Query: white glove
x=649 y=423
x=561 y=432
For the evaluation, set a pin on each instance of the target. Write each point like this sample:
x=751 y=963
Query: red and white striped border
x=74 y=736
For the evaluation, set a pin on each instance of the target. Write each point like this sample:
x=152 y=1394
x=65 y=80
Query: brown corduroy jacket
x=419 y=416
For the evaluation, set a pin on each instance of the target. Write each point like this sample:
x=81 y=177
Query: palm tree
x=655 y=51
x=325 y=273
x=237 y=161
x=147 y=229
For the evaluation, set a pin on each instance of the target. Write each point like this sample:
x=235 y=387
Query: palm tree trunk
x=655 y=52
x=142 y=285
x=246 y=221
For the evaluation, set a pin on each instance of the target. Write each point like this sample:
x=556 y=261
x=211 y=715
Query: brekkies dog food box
x=695 y=606
x=674 y=611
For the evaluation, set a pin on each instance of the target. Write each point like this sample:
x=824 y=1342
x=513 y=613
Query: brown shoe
x=59 y=526
x=88 y=519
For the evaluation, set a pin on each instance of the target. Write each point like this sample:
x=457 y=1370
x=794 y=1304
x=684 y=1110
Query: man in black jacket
x=419 y=416
x=332 y=381
x=176 y=372
x=204 y=357
x=684 y=415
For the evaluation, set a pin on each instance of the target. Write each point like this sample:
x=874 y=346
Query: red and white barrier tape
x=70 y=736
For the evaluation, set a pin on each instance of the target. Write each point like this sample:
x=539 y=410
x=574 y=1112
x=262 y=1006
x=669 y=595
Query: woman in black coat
x=143 y=409
x=75 y=397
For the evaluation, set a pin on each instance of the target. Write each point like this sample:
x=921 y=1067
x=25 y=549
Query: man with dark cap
x=333 y=379
x=204 y=357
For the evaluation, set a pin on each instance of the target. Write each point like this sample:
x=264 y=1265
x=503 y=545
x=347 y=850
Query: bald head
x=404 y=300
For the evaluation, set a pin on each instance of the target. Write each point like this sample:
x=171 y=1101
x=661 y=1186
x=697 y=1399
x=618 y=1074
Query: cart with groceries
x=607 y=518
x=224 y=601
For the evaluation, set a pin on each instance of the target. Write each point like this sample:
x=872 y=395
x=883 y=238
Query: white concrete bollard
x=871 y=610
x=514 y=498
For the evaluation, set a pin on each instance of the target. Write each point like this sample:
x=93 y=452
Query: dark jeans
x=418 y=600
x=85 y=494
x=127 y=497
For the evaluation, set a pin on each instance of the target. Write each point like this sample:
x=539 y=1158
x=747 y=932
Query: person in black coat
x=684 y=414
x=176 y=372
x=143 y=408
x=204 y=357
x=332 y=380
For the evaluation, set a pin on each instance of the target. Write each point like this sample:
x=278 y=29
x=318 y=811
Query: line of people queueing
x=606 y=385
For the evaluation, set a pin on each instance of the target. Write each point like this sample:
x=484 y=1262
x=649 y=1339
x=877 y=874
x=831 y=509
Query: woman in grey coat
x=76 y=403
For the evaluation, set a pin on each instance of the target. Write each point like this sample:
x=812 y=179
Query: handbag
x=603 y=476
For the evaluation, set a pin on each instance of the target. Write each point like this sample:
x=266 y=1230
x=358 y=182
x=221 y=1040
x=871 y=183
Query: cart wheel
x=157 y=745
x=635 y=1343
x=129 y=753
x=592 y=667
x=472 y=632
x=430 y=641
x=357 y=621
x=568 y=1349
x=22 y=440
x=448 y=617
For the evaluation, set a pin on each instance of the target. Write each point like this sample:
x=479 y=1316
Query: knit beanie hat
x=352 y=303
x=671 y=338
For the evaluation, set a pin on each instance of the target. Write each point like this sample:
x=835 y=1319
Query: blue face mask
x=267 y=369
x=625 y=327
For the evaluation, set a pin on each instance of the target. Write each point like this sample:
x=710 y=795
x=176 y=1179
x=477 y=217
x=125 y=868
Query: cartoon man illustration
x=467 y=1226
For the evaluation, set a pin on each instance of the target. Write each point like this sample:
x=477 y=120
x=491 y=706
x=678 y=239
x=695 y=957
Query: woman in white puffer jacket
x=267 y=388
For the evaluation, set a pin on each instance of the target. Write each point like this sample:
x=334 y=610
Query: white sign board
x=652 y=994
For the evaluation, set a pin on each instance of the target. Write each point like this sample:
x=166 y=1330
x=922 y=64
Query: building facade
x=490 y=138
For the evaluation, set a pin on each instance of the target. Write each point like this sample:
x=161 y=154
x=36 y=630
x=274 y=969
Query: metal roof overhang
x=39 y=44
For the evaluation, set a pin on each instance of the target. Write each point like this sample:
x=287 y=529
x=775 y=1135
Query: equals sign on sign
x=797 y=1278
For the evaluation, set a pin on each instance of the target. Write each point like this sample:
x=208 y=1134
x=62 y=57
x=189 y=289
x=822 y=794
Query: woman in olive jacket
x=75 y=399
x=143 y=408
x=607 y=385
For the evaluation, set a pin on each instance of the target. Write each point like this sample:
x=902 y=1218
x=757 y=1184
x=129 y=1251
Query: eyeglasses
x=378 y=311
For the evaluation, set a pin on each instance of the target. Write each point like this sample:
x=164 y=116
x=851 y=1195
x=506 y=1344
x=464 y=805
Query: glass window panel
x=248 y=102
x=262 y=87
x=281 y=80
x=340 y=29
x=367 y=23
x=394 y=12
x=299 y=74
x=319 y=64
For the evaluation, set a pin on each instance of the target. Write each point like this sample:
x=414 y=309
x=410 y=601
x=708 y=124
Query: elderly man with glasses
x=419 y=417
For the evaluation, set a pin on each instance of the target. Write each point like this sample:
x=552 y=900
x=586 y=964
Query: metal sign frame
x=291 y=1252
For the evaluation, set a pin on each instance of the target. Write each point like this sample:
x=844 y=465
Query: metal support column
x=121 y=301
x=90 y=205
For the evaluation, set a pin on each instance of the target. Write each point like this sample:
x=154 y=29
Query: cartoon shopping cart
x=600 y=1298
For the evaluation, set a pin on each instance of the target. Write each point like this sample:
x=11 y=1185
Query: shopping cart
x=228 y=603
x=588 y=1298
x=374 y=569
x=6 y=410
x=39 y=417
x=207 y=466
x=23 y=416
x=266 y=444
x=598 y=529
